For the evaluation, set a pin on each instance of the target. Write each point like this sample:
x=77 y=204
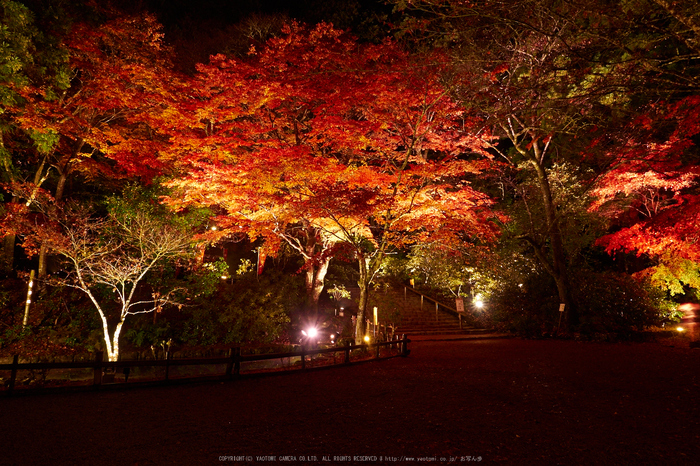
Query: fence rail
x=439 y=306
x=102 y=370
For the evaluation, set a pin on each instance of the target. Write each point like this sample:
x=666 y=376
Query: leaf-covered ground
x=510 y=401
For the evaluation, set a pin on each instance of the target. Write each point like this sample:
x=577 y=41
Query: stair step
x=418 y=331
x=422 y=319
x=429 y=325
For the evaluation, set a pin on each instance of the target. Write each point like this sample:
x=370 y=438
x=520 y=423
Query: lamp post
x=375 y=322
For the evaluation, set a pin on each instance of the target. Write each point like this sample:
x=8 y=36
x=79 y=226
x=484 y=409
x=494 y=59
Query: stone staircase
x=415 y=318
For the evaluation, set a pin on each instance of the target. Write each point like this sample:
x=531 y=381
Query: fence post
x=347 y=352
x=233 y=367
x=421 y=302
x=236 y=361
x=13 y=374
x=168 y=357
x=436 y=312
x=229 y=364
x=460 y=321
x=377 y=353
x=303 y=357
x=404 y=346
x=97 y=376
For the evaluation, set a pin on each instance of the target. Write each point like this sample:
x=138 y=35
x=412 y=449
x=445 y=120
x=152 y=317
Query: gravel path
x=509 y=401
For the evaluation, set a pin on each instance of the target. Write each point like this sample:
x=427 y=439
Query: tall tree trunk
x=315 y=281
x=363 y=283
x=58 y=197
x=43 y=259
x=28 y=303
x=558 y=268
x=7 y=254
x=114 y=355
x=316 y=260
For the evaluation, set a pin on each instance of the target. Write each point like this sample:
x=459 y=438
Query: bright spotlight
x=479 y=303
x=366 y=338
x=680 y=329
x=312 y=332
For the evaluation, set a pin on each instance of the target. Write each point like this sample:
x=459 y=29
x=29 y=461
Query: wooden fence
x=103 y=371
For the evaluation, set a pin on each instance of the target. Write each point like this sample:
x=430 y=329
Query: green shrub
x=610 y=306
x=251 y=310
x=617 y=305
x=530 y=310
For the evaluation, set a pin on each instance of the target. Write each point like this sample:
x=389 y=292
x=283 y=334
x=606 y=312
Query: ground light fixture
x=680 y=329
x=366 y=338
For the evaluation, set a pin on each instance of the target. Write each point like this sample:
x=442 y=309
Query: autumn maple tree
x=514 y=67
x=556 y=82
x=320 y=141
x=100 y=125
x=29 y=61
x=652 y=194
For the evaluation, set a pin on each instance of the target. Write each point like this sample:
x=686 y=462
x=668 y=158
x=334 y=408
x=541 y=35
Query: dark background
x=199 y=28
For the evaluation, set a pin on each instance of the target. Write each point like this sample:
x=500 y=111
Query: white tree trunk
x=115 y=342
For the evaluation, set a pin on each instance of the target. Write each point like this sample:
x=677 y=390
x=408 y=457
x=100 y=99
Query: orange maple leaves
x=657 y=185
x=114 y=103
x=321 y=128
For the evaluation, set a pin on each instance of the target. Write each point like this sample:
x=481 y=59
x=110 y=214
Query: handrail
x=447 y=309
x=232 y=361
x=451 y=310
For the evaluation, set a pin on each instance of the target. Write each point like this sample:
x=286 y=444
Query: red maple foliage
x=118 y=86
x=103 y=126
x=652 y=190
x=319 y=140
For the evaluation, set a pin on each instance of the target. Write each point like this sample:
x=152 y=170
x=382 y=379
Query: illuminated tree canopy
x=320 y=141
x=551 y=137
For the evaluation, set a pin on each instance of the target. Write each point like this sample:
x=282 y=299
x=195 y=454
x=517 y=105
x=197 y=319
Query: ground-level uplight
x=680 y=329
x=366 y=338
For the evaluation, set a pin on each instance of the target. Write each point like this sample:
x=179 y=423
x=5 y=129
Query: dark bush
x=614 y=306
x=252 y=309
x=611 y=306
x=60 y=321
x=530 y=310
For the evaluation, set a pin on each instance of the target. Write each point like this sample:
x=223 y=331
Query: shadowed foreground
x=502 y=400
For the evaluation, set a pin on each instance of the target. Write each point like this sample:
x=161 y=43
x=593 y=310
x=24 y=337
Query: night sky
x=200 y=28
x=231 y=11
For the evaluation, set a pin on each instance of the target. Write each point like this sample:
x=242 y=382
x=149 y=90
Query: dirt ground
x=505 y=401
